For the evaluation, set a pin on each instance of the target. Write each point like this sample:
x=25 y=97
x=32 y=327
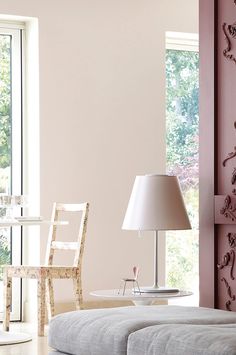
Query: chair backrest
x=77 y=246
x=136 y=272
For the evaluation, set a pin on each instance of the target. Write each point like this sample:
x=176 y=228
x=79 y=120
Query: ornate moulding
x=229 y=30
x=228 y=260
x=231 y=155
x=230 y=33
x=232 y=239
x=229 y=293
x=225 y=209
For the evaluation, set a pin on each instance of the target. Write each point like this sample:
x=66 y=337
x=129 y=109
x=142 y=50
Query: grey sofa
x=144 y=330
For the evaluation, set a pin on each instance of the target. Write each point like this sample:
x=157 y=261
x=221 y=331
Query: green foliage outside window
x=5 y=132
x=5 y=102
x=182 y=88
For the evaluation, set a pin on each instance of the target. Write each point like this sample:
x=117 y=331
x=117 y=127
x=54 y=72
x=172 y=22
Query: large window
x=182 y=121
x=10 y=144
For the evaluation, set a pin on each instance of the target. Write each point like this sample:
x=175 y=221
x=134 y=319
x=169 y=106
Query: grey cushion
x=183 y=339
x=106 y=331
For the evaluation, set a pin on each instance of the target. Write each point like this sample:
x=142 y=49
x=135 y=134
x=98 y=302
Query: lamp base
x=153 y=289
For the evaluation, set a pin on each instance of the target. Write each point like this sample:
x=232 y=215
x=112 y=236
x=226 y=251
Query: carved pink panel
x=225 y=162
x=217 y=153
x=226 y=104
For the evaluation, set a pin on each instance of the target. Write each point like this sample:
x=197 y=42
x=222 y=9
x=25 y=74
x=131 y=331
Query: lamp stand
x=156 y=288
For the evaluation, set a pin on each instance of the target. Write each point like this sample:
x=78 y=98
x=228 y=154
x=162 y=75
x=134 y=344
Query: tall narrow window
x=182 y=122
x=10 y=144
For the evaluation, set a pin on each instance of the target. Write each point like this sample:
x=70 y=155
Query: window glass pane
x=182 y=120
x=10 y=150
x=5 y=137
x=5 y=113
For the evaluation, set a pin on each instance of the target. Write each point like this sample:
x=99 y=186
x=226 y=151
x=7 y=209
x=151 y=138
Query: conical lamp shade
x=156 y=203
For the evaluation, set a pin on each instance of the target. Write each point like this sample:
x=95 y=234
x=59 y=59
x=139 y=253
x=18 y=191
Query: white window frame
x=15 y=30
x=182 y=41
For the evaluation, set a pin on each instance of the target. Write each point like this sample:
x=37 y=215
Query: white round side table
x=136 y=298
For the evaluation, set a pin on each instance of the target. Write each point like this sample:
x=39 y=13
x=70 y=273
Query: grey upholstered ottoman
x=108 y=331
x=183 y=340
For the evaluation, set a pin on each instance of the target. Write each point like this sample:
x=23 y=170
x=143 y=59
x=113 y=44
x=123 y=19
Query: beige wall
x=102 y=116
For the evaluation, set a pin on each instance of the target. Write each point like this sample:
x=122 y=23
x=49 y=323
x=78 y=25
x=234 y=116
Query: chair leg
x=41 y=305
x=50 y=298
x=124 y=288
x=7 y=293
x=138 y=287
x=78 y=293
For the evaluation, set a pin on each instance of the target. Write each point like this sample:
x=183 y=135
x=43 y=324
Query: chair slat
x=65 y=245
x=70 y=207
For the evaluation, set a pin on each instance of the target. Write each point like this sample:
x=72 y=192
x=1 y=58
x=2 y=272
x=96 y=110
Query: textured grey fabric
x=106 y=331
x=183 y=340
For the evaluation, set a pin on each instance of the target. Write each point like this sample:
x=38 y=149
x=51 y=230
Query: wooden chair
x=45 y=274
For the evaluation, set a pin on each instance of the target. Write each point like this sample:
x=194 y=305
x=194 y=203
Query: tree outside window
x=5 y=135
x=182 y=124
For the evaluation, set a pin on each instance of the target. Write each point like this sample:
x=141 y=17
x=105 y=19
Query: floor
x=38 y=345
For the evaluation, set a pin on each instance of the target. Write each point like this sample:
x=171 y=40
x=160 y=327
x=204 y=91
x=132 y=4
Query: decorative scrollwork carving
x=232 y=239
x=229 y=292
x=228 y=288
x=228 y=305
x=232 y=254
x=226 y=51
x=232 y=30
x=228 y=209
x=228 y=260
x=233 y=179
x=231 y=155
x=225 y=262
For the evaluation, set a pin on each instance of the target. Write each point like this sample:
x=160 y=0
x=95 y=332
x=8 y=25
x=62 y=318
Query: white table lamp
x=156 y=204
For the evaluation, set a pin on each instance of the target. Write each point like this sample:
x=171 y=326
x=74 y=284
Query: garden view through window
x=10 y=147
x=5 y=136
x=182 y=126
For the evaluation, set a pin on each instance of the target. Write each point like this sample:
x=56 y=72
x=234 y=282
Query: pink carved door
x=218 y=153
